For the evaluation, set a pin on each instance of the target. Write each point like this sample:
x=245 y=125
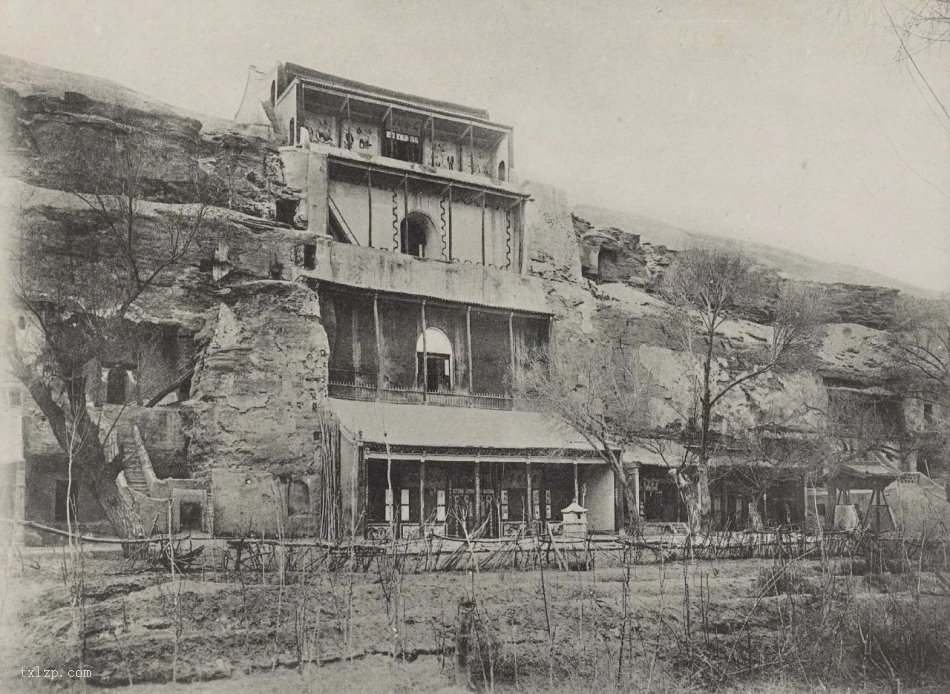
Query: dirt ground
x=381 y=631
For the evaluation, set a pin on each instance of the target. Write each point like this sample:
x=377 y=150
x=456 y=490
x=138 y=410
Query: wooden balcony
x=360 y=385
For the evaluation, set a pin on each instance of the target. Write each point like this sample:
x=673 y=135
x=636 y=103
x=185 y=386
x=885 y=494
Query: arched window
x=501 y=171
x=273 y=92
x=419 y=237
x=293 y=132
x=434 y=360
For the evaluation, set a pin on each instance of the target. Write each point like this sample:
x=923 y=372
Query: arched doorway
x=501 y=171
x=293 y=132
x=419 y=237
x=434 y=364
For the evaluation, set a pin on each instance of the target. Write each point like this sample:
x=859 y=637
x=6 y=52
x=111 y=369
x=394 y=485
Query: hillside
x=30 y=79
x=787 y=263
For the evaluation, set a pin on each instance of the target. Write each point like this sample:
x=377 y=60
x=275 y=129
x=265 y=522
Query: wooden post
x=425 y=357
x=468 y=349
x=636 y=489
x=522 y=263
x=405 y=213
x=511 y=345
x=387 y=123
x=577 y=488
x=471 y=149
x=432 y=143
x=530 y=504
x=379 y=345
x=422 y=491
x=511 y=152
x=450 y=221
x=478 y=492
x=483 y=227
x=369 y=202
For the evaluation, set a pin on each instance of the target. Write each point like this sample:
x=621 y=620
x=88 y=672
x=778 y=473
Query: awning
x=665 y=454
x=434 y=428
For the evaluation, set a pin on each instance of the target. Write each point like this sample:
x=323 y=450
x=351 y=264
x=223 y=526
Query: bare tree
x=597 y=388
x=921 y=345
x=79 y=286
x=705 y=287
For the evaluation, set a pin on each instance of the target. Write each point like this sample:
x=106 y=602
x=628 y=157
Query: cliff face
x=262 y=363
x=260 y=381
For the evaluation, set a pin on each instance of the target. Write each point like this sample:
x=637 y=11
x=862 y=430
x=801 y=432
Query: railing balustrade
x=360 y=385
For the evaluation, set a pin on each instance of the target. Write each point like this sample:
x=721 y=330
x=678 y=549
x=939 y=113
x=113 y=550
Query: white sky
x=789 y=123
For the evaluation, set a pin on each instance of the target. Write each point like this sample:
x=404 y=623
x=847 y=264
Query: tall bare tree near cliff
x=599 y=389
x=921 y=344
x=704 y=287
x=79 y=286
x=921 y=348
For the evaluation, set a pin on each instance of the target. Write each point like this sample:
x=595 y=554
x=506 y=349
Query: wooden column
x=483 y=227
x=511 y=344
x=387 y=123
x=468 y=349
x=432 y=143
x=450 y=222
x=577 y=487
x=369 y=207
x=511 y=152
x=478 y=492
x=425 y=356
x=405 y=211
x=379 y=345
x=422 y=491
x=530 y=504
x=471 y=149
x=636 y=488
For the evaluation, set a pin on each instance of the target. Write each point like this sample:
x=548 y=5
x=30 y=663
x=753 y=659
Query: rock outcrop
x=258 y=387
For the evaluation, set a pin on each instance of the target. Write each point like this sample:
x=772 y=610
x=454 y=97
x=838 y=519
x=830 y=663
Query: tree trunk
x=79 y=437
x=755 y=517
x=633 y=505
x=118 y=508
x=699 y=500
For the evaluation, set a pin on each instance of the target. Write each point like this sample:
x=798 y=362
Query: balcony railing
x=361 y=385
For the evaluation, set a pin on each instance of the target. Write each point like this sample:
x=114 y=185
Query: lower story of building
x=484 y=498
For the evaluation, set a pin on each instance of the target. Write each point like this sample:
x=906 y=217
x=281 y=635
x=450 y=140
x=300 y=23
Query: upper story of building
x=381 y=169
x=367 y=120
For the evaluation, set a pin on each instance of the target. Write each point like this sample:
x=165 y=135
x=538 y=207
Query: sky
x=792 y=124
